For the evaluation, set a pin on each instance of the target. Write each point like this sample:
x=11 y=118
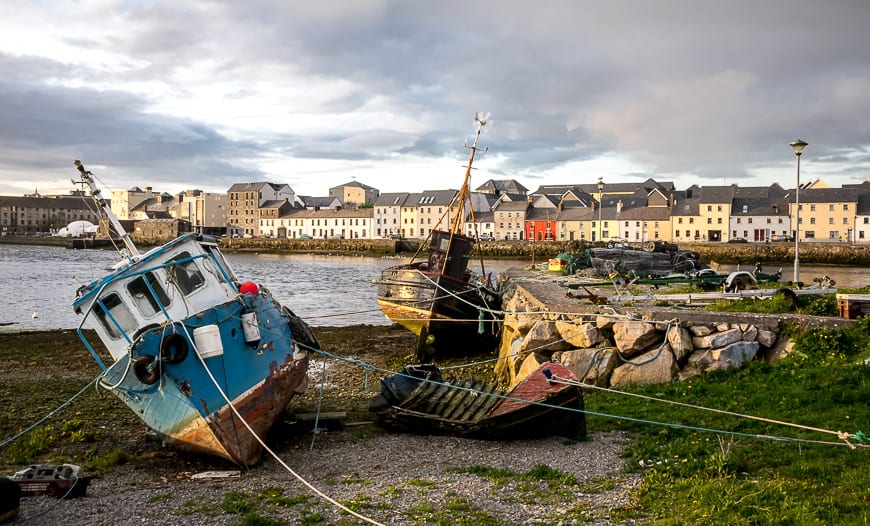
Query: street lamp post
x=600 y=204
x=798 y=147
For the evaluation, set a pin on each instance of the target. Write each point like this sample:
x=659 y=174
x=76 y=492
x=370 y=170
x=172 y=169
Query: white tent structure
x=77 y=229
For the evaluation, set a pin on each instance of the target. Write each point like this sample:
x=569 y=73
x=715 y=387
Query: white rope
x=267 y=448
x=839 y=434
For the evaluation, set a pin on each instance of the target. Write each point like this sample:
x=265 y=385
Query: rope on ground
x=266 y=448
x=839 y=434
x=316 y=414
x=49 y=415
x=595 y=413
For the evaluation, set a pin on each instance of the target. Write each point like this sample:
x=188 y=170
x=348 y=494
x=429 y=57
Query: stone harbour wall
x=607 y=347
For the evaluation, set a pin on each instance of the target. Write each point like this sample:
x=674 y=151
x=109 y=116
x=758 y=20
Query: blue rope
x=587 y=412
x=49 y=415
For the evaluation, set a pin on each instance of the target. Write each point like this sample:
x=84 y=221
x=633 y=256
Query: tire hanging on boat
x=146 y=371
x=173 y=348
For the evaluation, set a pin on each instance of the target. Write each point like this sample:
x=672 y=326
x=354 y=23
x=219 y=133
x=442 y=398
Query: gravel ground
x=393 y=479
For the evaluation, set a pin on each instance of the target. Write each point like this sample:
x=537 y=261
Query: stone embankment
x=631 y=346
x=536 y=251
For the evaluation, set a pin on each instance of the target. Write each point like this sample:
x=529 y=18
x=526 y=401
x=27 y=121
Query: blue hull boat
x=207 y=363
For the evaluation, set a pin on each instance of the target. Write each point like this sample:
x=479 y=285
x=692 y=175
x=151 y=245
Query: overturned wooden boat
x=450 y=308
x=417 y=400
x=207 y=363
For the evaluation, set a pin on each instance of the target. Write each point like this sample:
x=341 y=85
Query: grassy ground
x=41 y=370
x=693 y=475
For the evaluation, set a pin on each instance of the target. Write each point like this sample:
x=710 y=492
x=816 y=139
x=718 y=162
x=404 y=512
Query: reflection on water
x=323 y=290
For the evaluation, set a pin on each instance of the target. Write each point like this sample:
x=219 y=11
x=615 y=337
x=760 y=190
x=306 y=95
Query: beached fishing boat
x=417 y=400
x=207 y=363
x=450 y=308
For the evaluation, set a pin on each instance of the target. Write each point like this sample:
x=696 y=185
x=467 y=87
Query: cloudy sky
x=203 y=94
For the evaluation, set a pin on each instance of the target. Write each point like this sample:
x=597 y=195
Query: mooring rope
x=839 y=434
x=265 y=447
x=50 y=414
x=857 y=436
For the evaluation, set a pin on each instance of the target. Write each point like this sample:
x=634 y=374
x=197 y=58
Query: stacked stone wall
x=609 y=348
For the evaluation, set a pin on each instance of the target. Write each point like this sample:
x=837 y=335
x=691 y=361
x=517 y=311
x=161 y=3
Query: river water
x=39 y=283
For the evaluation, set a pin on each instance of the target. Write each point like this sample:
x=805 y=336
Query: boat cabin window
x=143 y=299
x=119 y=311
x=209 y=264
x=185 y=274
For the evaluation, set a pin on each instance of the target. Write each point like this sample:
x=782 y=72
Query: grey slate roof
x=502 y=186
x=392 y=199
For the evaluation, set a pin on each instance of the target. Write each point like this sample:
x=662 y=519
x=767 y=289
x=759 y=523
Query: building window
x=845 y=207
x=809 y=234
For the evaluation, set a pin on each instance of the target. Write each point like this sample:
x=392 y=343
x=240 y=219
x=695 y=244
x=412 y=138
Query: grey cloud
x=685 y=89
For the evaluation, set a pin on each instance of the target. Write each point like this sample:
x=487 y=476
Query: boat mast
x=88 y=179
x=464 y=192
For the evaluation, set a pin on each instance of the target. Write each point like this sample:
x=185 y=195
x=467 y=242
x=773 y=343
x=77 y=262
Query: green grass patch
x=813 y=305
x=457 y=511
x=160 y=497
x=698 y=476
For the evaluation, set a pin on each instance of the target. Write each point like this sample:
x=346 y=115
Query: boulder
x=779 y=350
x=508 y=355
x=699 y=362
x=579 y=335
x=733 y=356
x=722 y=327
x=543 y=336
x=604 y=322
x=654 y=367
x=634 y=337
x=700 y=330
x=750 y=333
x=680 y=342
x=529 y=365
x=766 y=338
x=591 y=366
x=717 y=339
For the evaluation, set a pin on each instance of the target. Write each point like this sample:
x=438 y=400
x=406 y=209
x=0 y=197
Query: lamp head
x=798 y=147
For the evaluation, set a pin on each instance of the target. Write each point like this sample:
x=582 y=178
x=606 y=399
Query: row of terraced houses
x=500 y=210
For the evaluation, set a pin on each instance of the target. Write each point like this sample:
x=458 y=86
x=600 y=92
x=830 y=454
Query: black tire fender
x=146 y=371
x=173 y=348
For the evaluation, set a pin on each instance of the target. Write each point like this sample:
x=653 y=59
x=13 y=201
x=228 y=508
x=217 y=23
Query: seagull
x=34 y=315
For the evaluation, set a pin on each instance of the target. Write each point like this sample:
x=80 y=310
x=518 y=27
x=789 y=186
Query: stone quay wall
x=632 y=346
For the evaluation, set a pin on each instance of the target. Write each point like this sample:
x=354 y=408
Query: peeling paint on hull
x=223 y=434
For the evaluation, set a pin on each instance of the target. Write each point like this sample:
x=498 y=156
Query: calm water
x=323 y=290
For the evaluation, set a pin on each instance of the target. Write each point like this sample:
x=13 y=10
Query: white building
x=388 y=214
x=321 y=224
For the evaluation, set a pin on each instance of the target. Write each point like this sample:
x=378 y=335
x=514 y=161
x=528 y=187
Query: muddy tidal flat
x=389 y=478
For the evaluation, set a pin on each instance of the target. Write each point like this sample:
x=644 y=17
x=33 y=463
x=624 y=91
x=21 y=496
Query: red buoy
x=249 y=287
